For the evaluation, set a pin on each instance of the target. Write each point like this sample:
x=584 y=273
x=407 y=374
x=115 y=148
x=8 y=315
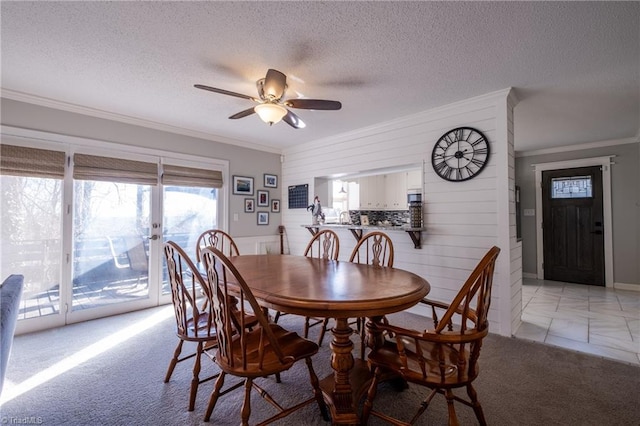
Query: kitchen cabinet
x=414 y=180
x=395 y=191
x=372 y=192
x=387 y=191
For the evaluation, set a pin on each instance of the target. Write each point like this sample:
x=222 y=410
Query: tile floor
x=583 y=318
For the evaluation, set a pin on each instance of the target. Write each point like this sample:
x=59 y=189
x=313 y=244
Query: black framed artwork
x=275 y=206
x=263 y=218
x=263 y=198
x=249 y=205
x=270 y=181
x=242 y=185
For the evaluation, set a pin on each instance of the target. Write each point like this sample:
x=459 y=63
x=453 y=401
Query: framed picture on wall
x=263 y=218
x=275 y=206
x=263 y=198
x=270 y=181
x=249 y=205
x=242 y=185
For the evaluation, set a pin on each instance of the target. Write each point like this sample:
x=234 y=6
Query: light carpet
x=110 y=372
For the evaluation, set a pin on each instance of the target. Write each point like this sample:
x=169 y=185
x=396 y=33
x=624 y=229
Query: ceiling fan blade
x=313 y=104
x=244 y=113
x=224 y=92
x=293 y=120
x=275 y=83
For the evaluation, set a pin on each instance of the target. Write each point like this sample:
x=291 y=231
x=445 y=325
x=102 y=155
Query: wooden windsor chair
x=266 y=349
x=441 y=358
x=323 y=245
x=194 y=320
x=375 y=249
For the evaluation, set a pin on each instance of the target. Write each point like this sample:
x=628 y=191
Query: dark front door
x=573 y=225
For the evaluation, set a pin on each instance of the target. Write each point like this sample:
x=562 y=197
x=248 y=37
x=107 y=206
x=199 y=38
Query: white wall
x=463 y=220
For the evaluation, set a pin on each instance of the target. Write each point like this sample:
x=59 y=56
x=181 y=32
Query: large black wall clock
x=460 y=154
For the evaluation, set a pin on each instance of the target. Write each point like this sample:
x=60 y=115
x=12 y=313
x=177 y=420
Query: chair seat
x=437 y=375
x=194 y=328
x=250 y=320
x=291 y=344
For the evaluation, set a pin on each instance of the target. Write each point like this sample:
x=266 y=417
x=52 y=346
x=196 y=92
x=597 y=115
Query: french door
x=88 y=236
x=111 y=245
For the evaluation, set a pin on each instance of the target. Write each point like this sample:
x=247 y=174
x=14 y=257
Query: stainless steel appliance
x=415 y=209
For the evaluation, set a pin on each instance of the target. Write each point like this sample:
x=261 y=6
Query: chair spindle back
x=186 y=286
x=218 y=239
x=374 y=248
x=235 y=355
x=324 y=245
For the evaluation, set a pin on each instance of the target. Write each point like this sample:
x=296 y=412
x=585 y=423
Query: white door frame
x=70 y=144
x=605 y=163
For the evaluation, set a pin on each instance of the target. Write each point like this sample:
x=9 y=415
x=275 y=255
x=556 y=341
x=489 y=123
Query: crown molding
x=578 y=147
x=411 y=120
x=135 y=121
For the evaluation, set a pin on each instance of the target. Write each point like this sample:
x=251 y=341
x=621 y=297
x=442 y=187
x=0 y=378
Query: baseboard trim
x=626 y=286
x=529 y=275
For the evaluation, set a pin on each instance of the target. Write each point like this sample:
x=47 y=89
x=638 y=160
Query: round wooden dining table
x=333 y=289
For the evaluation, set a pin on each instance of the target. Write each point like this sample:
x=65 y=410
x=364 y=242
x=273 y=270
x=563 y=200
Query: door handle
x=153 y=237
x=598 y=232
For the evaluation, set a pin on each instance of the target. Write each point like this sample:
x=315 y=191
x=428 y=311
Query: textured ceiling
x=575 y=66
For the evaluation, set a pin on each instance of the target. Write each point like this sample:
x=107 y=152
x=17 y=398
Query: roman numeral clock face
x=460 y=154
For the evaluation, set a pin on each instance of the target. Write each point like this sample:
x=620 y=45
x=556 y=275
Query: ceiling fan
x=271 y=106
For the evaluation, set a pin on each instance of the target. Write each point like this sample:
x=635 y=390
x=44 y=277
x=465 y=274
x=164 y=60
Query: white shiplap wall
x=463 y=220
x=515 y=246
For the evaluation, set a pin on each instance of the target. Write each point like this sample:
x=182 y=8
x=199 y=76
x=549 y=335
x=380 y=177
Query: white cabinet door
x=365 y=201
x=396 y=191
x=377 y=191
x=414 y=179
x=353 y=195
x=372 y=192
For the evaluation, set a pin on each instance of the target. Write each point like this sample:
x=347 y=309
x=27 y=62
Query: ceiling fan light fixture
x=270 y=113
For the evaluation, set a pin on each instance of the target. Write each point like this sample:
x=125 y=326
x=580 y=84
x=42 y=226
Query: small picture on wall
x=263 y=218
x=263 y=198
x=270 y=181
x=242 y=185
x=275 y=206
x=249 y=205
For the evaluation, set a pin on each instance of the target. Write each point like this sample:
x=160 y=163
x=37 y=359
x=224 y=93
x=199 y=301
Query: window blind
x=33 y=162
x=93 y=167
x=187 y=176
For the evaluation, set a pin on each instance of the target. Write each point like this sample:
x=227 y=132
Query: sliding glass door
x=188 y=211
x=87 y=230
x=31 y=240
x=31 y=227
x=111 y=224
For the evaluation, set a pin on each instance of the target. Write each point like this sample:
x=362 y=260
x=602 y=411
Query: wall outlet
x=235 y=217
x=529 y=212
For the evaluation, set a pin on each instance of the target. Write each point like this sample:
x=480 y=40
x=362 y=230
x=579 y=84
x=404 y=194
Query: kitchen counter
x=358 y=230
